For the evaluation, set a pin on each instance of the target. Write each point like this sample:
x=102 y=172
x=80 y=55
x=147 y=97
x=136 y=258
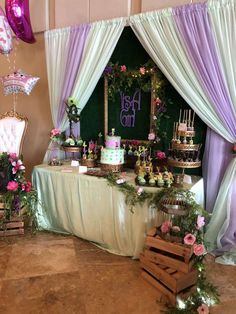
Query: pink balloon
x=5 y=34
x=17 y=12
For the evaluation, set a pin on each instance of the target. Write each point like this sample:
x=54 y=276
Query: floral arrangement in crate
x=18 y=193
x=188 y=228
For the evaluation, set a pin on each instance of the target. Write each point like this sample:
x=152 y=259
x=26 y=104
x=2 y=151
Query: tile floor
x=50 y=273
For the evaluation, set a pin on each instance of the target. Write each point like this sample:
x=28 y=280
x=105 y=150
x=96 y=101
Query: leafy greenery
x=147 y=78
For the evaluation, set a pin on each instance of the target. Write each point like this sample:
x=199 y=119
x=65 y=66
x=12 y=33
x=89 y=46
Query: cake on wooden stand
x=112 y=156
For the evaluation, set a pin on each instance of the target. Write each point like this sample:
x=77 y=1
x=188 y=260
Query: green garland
x=206 y=294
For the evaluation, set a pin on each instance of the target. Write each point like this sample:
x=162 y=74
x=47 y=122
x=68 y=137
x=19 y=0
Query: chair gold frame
x=14 y=114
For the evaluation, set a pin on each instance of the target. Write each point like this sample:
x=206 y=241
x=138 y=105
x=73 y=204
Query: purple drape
x=194 y=26
x=78 y=35
x=195 y=30
x=216 y=158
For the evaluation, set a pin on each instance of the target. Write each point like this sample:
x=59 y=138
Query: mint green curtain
x=101 y=42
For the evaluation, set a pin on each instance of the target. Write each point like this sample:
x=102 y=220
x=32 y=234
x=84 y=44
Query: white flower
x=151 y=136
x=120 y=181
x=154 y=117
x=70 y=141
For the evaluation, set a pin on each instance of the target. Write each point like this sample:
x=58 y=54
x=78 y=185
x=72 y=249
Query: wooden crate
x=164 y=295
x=171 y=245
x=174 y=279
x=168 y=266
x=14 y=226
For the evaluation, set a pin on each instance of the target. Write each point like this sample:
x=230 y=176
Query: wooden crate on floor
x=169 y=245
x=14 y=226
x=168 y=266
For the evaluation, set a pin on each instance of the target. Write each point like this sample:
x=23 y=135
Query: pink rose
x=199 y=249
x=203 y=309
x=123 y=68
x=13 y=156
x=160 y=155
x=166 y=226
x=189 y=239
x=55 y=132
x=140 y=191
x=28 y=186
x=200 y=222
x=151 y=136
x=12 y=186
x=142 y=70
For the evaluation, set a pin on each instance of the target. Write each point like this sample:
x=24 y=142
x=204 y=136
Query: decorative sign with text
x=129 y=106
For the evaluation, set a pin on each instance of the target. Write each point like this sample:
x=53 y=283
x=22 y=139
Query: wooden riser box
x=176 y=248
x=15 y=226
x=165 y=295
x=174 y=279
x=168 y=265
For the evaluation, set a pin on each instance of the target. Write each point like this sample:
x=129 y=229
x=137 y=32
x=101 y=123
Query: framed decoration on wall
x=129 y=100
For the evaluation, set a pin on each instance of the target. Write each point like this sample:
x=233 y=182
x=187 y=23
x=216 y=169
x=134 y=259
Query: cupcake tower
x=184 y=153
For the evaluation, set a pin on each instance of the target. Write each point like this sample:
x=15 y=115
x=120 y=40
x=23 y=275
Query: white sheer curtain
x=158 y=34
x=101 y=42
x=56 y=47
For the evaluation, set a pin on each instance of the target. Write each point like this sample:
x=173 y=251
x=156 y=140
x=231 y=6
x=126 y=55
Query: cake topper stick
x=112 y=131
x=180 y=114
x=193 y=118
x=174 y=134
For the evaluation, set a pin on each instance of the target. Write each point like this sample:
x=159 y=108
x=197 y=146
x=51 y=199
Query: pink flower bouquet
x=18 y=192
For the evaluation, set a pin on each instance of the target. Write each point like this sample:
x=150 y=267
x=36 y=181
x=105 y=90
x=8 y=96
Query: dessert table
x=87 y=207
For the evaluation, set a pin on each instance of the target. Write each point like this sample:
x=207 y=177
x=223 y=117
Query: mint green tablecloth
x=86 y=206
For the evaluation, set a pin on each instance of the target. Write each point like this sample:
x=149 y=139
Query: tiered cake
x=112 y=156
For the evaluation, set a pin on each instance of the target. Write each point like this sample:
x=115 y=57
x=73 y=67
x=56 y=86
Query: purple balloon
x=17 y=12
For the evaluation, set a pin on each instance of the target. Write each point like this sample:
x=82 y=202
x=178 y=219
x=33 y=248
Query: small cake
x=112 y=154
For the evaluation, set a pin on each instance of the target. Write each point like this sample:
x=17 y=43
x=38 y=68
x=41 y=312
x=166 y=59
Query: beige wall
x=31 y=59
x=47 y=14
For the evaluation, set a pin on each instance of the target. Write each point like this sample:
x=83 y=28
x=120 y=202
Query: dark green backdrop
x=130 y=52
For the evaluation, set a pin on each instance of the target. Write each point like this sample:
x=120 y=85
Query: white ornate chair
x=12 y=131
